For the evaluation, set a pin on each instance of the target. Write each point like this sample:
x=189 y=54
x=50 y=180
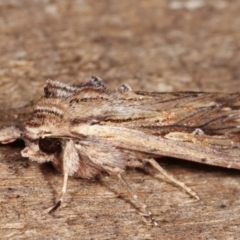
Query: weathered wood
x=149 y=45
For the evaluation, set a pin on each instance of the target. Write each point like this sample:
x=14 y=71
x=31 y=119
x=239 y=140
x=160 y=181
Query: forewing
x=202 y=127
x=161 y=113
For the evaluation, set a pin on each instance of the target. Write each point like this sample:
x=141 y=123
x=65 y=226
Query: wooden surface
x=150 y=45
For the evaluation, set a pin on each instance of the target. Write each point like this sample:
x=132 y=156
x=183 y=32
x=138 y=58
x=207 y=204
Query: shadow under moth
x=86 y=129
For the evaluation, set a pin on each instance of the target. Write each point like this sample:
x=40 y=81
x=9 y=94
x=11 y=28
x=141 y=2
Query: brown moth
x=86 y=129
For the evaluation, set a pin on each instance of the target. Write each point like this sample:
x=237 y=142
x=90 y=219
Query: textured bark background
x=153 y=45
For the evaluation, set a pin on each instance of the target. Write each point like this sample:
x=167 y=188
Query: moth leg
x=144 y=211
x=143 y=206
x=64 y=190
x=9 y=134
x=70 y=165
x=172 y=179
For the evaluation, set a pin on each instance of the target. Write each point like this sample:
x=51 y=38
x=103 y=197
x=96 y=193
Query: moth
x=85 y=129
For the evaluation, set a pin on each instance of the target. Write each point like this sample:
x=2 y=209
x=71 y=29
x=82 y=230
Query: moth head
x=49 y=145
x=42 y=150
x=47 y=120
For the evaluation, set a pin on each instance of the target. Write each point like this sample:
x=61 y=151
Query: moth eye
x=49 y=145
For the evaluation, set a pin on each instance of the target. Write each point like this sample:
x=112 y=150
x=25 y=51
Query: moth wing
x=214 y=150
x=201 y=127
x=219 y=150
x=159 y=113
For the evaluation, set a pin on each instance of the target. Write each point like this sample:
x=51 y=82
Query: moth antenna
x=173 y=179
x=143 y=207
x=64 y=190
